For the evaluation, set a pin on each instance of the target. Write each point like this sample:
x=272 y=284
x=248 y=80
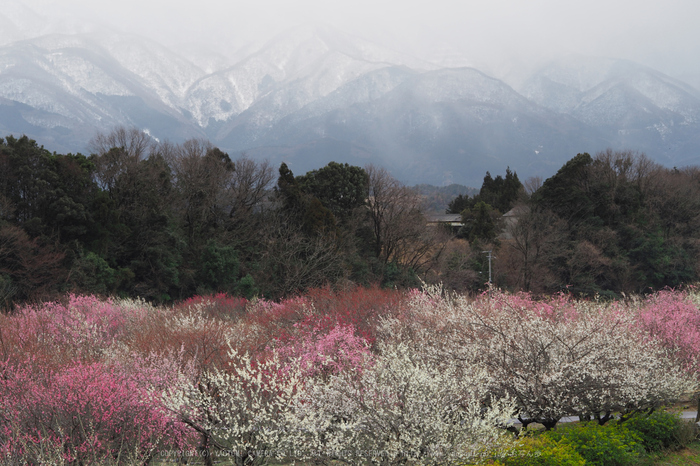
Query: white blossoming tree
x=554 y=358
x=401 y=408
x=245 y=411
x=584 y=361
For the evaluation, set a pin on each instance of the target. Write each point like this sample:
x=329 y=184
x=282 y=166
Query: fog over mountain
x=436 y=95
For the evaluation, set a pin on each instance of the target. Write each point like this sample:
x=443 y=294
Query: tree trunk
x=549 y=424
x=205 y=450
x=603 y=419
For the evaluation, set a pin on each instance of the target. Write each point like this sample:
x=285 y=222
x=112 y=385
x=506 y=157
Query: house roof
x=444 y=218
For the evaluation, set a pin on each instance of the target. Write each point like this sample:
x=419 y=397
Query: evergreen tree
x=340 y=187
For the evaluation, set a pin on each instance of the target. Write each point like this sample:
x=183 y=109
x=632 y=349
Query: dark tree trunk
x=603 y=419
x=549 y=424
x=205 y=450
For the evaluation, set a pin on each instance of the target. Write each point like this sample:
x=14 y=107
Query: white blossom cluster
x=246 y=408
x=402 y=408
x=588 y=366
x=588 y=360
x=446 y=377
x=398 y=408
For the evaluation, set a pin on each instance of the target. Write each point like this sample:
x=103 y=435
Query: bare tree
x=532 y=184
x=133 y=141
x=294 y=261
x=675 y=199
x=251 y=182
x=203 y=177
x=31 y=269
x=586 y=264
x=453 y=267
x=117 y=152
x=393 y=209
x=532 y=237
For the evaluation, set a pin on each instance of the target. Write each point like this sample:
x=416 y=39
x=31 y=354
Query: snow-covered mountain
x=315 y=94
x=442 y=125
x=631 y=105
x=288 y=73
x=62 y=89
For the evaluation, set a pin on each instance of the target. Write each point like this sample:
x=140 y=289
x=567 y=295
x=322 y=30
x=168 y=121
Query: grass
x=688 y=456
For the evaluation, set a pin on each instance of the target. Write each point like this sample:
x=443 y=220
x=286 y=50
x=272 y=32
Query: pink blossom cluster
x=674 y=319
x=84 y=413
x=320 y=351
x=82 y=327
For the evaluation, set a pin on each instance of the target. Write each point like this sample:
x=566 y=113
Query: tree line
x=168 y=221
x=603 y=225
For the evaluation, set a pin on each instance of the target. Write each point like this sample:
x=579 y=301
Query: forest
x=165 y=222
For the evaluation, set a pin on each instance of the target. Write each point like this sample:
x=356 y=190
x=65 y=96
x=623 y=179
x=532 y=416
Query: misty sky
x=493 y=34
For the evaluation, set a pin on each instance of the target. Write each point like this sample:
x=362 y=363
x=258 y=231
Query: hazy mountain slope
x=19 y=22
x=76 y=88
x=436 y=126
x=314 y=94
x=288 y=73
x=632 y=105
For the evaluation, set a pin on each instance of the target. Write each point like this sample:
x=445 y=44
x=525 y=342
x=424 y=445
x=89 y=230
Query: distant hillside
x=436 y=198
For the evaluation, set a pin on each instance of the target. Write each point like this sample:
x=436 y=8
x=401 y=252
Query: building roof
x=444 y=218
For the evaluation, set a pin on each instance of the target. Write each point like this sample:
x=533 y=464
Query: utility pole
x=489 y=253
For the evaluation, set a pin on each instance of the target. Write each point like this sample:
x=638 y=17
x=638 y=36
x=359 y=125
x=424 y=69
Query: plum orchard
x=371 y=375
x=554 y=358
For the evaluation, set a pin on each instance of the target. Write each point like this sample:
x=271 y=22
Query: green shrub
x=609 y=445
x=540 y=451
x=247 y=288
x=657 y=430
x=688 y=432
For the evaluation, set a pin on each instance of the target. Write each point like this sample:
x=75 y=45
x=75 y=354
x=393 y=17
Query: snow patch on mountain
x=77 y=74
x=26 y=92
x=288 y=73
x=50 y=121
x=161 y=70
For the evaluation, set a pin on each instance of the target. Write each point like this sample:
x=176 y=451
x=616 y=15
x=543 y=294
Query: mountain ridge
x=315 y=89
